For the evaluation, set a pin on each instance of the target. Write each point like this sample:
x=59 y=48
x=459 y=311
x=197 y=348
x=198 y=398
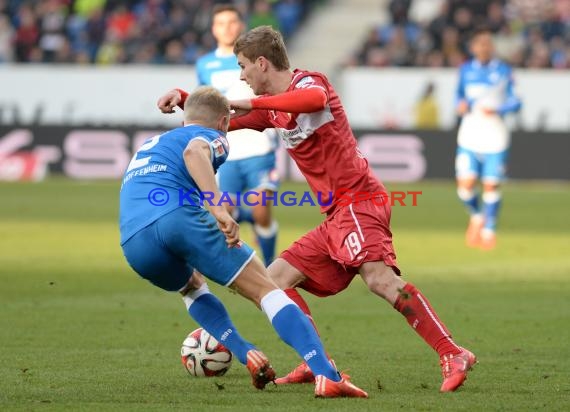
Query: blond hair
x=206 y=106
x=263 y=41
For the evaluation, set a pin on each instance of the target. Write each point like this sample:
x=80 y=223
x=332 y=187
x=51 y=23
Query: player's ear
x=224 y=123
x=262 y=63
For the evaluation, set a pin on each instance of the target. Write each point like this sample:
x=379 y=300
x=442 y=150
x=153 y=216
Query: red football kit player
x=354 y=238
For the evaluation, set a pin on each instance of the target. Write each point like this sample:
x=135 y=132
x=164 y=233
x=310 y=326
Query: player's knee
x=491 y=196
x=283 y=274
x=382 y=281
x=379 y=286
x=262 y=216
x=465 y=193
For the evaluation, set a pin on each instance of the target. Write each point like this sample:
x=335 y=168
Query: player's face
x=226 y=28
x=252 y=74
x=482 y=47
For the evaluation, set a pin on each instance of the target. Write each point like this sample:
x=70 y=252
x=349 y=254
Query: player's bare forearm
x=197 y=161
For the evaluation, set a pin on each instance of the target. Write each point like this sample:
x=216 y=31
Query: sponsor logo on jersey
x=305 y=82
x=220 y=146
x=293 y=137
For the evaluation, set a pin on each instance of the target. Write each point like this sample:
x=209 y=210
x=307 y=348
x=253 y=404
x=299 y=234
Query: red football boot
x=325 y=388
x=260 y=369
x=454 y=369
x=302 y=374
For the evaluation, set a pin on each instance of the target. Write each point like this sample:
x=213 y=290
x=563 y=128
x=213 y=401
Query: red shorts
x=331 y=254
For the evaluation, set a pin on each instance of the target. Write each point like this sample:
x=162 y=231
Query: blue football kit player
x=251 y=163
x=484 y=96
x=171 y=240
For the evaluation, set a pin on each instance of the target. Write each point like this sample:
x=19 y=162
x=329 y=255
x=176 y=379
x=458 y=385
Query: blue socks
x=243 y=214
x=491 y=206
x=267 y=239
x=287 y=319
x=470 y=200
x=296 y=330
x=209 y=312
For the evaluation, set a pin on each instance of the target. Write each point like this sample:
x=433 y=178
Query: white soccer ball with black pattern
x=203 y=356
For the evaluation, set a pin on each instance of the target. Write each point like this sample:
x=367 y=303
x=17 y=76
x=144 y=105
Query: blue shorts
x=252 y=173
x=490 y=167
x=168 y=250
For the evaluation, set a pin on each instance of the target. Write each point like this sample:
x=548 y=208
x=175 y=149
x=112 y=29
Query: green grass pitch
x=80 y=331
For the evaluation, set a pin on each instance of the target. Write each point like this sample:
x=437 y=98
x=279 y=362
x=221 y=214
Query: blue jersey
x=488 y=85
x=222 y=72
x=157 y=180
x=219 y=71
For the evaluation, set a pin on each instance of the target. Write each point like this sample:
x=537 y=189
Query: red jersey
x=321 y=143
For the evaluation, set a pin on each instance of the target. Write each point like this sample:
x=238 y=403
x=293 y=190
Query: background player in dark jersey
x=166 y=237
x=355 y=238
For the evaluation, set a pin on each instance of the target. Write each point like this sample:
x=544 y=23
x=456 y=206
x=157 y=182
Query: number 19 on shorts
x=353 y=245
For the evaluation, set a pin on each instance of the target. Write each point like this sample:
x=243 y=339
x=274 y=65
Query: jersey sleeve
x=460 y=91
x=309 y=94
x=312 y=81
x=512 y=102
x=295 y=101
x=255 y=120
x=200 y=73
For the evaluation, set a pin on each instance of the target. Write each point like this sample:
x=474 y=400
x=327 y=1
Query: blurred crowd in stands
x=131 y=31
x=435 y=33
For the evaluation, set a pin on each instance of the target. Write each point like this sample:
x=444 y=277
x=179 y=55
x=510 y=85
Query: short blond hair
x=263 y=41
x=206 y=105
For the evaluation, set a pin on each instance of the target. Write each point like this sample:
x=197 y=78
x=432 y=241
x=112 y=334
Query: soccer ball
x=203 y=356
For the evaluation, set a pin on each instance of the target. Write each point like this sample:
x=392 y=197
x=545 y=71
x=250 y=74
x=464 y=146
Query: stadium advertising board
x=27 y=153
x=373 y=98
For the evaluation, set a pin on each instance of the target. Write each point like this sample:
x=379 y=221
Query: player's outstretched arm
x=309 y=100
x=197 y=158
x=245 y=118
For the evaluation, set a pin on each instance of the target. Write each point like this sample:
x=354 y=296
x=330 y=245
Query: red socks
x=423 y=319
x=298 y=299
x=417 y=311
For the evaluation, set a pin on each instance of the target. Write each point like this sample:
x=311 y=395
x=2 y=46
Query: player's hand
x=488 y=112
x=228 y=226
x=462 y=107
x=240 y=107
x=169 y=101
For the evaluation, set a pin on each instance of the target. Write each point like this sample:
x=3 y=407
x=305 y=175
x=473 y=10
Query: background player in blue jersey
x=167 y=236
x=484 y=96
x=251 y=163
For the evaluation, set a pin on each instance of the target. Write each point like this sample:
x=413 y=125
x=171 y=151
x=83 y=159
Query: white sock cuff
x=492 y=196
x=274 y=301
x=266 y=232
x=465 y=194
x=194 y=294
